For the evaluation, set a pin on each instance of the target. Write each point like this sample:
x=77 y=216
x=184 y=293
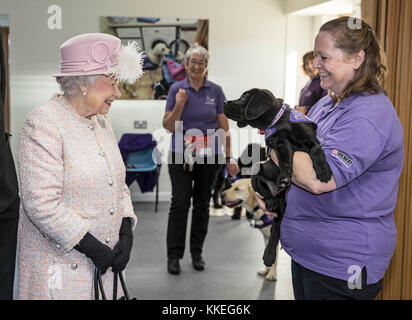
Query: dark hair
x=351 y=37
x=308 y=56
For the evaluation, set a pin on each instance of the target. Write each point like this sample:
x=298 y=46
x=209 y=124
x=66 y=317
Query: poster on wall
x=164 y=42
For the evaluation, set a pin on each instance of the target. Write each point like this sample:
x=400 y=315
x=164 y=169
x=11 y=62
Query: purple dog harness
x=266 y=219
x=294 y=116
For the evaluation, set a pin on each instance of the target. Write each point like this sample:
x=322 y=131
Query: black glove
x=101 y=255
x=123 y=248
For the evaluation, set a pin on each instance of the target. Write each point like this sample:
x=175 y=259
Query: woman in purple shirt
x=341 y=235
x=194 y=109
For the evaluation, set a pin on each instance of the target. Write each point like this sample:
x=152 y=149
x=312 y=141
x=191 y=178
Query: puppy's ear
x=278 y=102
x=258 y=104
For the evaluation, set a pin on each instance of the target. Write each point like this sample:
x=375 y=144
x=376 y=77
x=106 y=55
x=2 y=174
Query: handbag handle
x=98 y=286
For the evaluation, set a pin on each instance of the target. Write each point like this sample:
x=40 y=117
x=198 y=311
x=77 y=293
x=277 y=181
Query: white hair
x=71 y=85
x=196 y=49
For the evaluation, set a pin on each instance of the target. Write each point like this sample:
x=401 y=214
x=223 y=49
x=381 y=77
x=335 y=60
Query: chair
x=144 y=161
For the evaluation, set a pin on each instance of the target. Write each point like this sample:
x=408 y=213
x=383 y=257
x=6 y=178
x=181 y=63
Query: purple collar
x=271 y=130
x=267 y=220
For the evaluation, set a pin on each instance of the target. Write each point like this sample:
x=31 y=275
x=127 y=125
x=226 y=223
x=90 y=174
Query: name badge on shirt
x=347 y=162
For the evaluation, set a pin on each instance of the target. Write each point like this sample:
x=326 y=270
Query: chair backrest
x=142 y=160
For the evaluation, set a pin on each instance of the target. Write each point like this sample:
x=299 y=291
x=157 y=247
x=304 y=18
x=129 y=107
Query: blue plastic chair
x=145 y=161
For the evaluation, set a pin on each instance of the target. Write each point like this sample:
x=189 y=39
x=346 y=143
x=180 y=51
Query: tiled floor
x=233 y=253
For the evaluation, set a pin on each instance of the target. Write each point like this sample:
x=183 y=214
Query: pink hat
x=100 y=53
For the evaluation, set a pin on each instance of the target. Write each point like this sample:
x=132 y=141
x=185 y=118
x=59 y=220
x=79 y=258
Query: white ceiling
x=332 y=7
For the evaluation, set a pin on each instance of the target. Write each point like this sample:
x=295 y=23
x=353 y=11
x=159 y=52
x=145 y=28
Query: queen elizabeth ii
x=76 y=213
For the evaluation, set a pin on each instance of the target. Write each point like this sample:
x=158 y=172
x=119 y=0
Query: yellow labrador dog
x=241 y=194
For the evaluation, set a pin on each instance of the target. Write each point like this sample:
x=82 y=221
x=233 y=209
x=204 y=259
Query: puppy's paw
x=324 y=173
x=271 y=204
x=271 y=276
x=283 y=183
x=263 y=272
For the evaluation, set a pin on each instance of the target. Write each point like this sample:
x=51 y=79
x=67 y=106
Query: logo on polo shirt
x=342 y=157
x=210 y=100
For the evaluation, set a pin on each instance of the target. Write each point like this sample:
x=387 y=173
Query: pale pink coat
x=72 y=181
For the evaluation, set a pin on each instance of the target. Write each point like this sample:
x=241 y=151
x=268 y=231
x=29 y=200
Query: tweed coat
x=72 y=180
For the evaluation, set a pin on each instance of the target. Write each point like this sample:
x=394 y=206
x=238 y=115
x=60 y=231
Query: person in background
x=197 y=103
x=9 y=198
x=312 y=92
x=76 y=213
x=341 y=235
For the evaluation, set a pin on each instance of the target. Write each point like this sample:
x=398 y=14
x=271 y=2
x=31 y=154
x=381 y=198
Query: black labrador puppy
x=286 y=131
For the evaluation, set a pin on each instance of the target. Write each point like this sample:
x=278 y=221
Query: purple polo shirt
x=312 y=92
x=339 y=232
x=200 y=112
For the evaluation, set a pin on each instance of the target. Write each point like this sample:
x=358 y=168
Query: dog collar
x=267 y=220
x=271 y=129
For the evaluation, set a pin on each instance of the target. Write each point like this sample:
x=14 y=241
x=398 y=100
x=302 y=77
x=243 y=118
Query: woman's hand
x=302 y=109
x=123 y=248
x=232 y=168
x=181 y=97
x=261 y=204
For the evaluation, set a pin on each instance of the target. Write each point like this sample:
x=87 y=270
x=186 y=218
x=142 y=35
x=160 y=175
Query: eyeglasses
x=199 y=63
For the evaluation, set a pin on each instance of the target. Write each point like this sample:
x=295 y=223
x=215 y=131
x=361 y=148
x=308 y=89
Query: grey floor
x=232 y=251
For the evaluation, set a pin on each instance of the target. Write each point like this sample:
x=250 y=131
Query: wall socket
x=140 y=124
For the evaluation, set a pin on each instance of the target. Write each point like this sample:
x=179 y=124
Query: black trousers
x=310 y=285
x=196 y=185
x=8 y=241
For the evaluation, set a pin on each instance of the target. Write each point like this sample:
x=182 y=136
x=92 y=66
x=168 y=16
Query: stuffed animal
x=157 y=54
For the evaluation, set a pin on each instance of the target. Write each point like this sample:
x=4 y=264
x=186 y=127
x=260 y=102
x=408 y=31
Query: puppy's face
x=256 y=107
x=239 y=194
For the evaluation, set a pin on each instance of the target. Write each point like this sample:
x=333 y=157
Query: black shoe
x=173 y=266
x=198 y=263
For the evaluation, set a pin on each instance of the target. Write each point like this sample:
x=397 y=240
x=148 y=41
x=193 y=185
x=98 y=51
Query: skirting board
x=150 y=196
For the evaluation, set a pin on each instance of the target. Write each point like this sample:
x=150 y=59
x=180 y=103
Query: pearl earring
x=84 y=93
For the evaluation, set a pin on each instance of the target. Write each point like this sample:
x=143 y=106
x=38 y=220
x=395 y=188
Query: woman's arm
x=41 y=171
x=223 y=122
x=171 y=117
x=304 y=175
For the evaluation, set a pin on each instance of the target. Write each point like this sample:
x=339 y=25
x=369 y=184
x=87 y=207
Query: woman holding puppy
x=194 y=112
x=341 y=234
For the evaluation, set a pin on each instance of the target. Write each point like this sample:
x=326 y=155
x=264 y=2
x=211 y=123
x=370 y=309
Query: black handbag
x=98 y=286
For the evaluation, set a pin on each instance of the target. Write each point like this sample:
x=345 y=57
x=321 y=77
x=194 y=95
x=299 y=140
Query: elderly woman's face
x=335 y=68
x=100 y=96
x=196 y=67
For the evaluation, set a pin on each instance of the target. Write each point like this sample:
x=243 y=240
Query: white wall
x=299 y=33
x=246 y=40
x=295 y=5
